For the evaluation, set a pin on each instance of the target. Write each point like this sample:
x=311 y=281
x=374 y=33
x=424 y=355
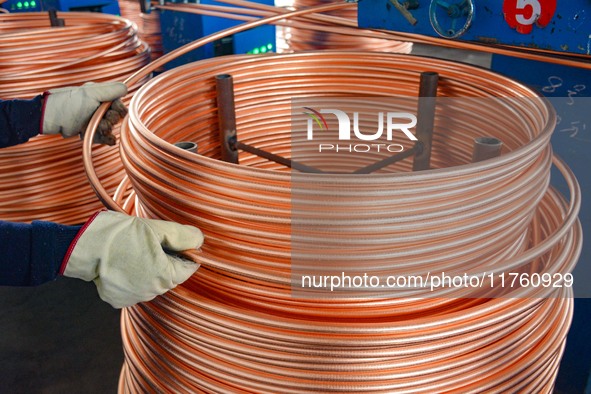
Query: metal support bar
x=486 y=148
x=226 y=117
x=230 y=144
x=426 y=119
x=54 y=20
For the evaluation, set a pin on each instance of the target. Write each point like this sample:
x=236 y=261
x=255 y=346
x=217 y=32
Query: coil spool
x=235 y=327
x=131 y=10
x=299 y=39
x=148 y=25
x=44 y=178
x=151 y=33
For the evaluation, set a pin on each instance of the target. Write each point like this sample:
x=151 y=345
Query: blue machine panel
x=563 y=26
x=180 y=28
x=104 y=6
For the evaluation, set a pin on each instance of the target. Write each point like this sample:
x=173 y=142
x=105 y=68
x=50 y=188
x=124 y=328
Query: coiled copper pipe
x=151 y=33
x=148 y=25
x=305 y=40
x=131 y=10
x=44 y=178
x=238 y=326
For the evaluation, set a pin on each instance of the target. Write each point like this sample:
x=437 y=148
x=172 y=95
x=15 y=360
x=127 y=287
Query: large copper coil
x=44 y=178
x=131 y=10
x=243 y=324
x=299 y=39
x=151 y=32
x=148 y=24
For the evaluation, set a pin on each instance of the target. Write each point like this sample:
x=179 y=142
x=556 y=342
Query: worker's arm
x=19 y=120
x=31 y=254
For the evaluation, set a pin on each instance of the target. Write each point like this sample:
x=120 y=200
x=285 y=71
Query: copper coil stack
x=299 y=39
x=243 y=323
x=151 y=33
x=148 y=24
x=44 y=179
x=131 y=10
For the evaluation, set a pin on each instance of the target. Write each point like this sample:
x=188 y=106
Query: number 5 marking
x=538 y=12
x=535 y=14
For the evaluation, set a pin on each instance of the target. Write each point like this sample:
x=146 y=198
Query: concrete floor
x=58 y=338
x=61 y=338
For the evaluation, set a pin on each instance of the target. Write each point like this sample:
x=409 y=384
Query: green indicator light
x=19 y=5
x=33 y=3
x=26 y=4
x=269 y=46
x=263 y=49
x=255 y=51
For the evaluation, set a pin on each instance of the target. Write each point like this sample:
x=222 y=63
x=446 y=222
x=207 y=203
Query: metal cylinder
x=426 y=118
x=226 y=117
x=187 y=145
x=486 y=148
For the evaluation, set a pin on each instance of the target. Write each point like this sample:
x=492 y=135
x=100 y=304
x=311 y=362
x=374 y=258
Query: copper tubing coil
x=305 y=40
x=44 y=178
x=195 y=341
x=151 y=32
x=131 y=10
x=235 y=327
x=91 y=47
x=148 y=25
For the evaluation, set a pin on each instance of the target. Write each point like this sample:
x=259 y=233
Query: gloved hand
x=126 y=256
x=67 y=111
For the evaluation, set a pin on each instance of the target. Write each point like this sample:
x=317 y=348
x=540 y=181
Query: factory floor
x=58 y=338
x=61 y=338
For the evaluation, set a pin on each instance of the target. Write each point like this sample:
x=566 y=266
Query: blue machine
x=104 y=6
x=543 y=24
x=180 y=28
x=563 y=27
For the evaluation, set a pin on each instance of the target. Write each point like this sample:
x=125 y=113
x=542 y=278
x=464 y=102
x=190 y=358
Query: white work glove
x=67 y=111
x=126 y=256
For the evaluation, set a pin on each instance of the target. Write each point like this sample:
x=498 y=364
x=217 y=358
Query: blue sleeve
x=19 y=120
x=31 y=254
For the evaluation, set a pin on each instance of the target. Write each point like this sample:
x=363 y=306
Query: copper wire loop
x=238 y=326
x=44 y=179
